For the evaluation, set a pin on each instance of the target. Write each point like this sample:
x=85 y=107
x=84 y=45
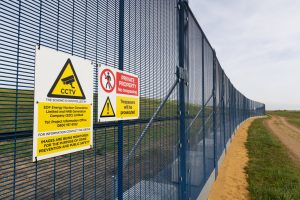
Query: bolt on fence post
x=182 y=94
x=120 y=123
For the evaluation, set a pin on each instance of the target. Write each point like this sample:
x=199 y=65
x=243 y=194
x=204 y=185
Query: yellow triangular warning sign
x=107 y=110
x=67 y=84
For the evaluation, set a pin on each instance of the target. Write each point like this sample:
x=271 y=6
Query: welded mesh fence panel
x=150 y=50
x=195 y=151
x=151 y=163
x=215 y=109
x=219 y=105
x=87 y=29
x=208 y=109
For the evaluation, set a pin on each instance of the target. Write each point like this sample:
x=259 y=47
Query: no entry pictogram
x=107 y=80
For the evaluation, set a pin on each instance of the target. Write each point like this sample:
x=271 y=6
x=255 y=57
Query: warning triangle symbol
x=67 y=84
x=107 y=110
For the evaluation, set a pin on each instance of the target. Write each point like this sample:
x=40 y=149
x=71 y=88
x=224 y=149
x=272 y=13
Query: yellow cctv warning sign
x=67 y=84
x=63 y=104
x=108 y=110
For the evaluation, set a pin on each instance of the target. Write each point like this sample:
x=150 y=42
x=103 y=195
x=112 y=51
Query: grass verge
x=271 y=172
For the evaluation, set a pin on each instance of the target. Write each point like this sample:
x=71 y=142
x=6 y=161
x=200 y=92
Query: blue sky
x=258 y=45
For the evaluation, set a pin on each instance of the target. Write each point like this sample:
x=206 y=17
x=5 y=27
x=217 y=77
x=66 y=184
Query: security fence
x=189 y=109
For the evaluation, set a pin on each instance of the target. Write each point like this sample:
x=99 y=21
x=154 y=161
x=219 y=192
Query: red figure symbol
x=107 y=80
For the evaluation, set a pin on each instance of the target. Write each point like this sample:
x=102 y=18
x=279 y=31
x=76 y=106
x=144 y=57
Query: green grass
x=271 y=172
x=18 y=116
x=293 y=117
x=17 y=109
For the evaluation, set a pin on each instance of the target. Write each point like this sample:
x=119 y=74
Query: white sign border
x=114 y=94
x=87 y=88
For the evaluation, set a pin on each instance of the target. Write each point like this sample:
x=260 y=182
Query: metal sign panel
x=63 y=109
x=118 y=94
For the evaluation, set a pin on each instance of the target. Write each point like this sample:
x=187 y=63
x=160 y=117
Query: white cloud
x=258 y=44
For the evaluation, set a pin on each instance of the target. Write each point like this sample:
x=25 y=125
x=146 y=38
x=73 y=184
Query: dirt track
x=232 y=181
x=288 y=134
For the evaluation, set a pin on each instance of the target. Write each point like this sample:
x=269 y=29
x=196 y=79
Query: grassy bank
x=271 y=172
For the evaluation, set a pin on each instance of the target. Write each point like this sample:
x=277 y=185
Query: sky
x=257 y=43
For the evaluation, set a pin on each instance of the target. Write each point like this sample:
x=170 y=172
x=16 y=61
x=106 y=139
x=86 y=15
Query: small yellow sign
x=54 y=144
x=63 y=116
x=127 y=107
x=107 y=110
x=67 y=84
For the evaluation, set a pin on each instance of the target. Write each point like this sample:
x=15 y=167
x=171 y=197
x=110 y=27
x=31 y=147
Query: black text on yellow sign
x=127 y=107
x=67 y=84
x=63 y=108
x=63 y=116
x=66 y=142
x=63 y=127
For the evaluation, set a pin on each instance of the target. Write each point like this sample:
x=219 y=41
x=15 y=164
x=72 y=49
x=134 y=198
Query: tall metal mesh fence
x=151 y=168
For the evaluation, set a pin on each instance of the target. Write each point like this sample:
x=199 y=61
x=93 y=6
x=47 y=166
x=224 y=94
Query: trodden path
x=287 y=133
x=232 y=180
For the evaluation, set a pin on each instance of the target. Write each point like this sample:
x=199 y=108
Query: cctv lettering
x=68 y=91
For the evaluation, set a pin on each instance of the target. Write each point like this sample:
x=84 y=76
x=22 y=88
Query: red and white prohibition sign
x=107 y=80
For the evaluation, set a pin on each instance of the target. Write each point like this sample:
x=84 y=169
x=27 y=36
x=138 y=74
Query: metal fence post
x=182 y=66
x=214 y=112
x=120 y=123
x=16 y=104
x=234 y=110
x=223 y=111
x=203 y=107
x=230 y=111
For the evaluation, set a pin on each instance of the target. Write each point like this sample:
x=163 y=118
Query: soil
x=232 y=182
x=287 y=133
